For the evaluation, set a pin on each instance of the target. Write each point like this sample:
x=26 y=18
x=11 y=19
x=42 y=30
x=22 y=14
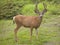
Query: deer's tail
x=13 y=20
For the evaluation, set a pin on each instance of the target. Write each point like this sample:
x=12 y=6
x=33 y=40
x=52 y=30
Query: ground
x=49 y=32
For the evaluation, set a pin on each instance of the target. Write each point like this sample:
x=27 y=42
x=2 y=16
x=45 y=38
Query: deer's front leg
x=36 y=33
x=31 y=31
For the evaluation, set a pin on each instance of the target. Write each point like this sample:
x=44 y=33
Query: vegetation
x=49 y=31
x=10 y=8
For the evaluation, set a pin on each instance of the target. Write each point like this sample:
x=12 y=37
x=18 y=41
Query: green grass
x=49 y=32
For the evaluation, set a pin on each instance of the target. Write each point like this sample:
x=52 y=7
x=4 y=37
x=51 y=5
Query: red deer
x=29 y=21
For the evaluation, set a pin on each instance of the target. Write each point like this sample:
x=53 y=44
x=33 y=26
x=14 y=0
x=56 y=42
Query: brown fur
x=28 y=21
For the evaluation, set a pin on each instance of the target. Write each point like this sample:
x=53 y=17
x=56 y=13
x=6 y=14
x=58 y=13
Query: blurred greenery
x=49 y=31
x=10 y=8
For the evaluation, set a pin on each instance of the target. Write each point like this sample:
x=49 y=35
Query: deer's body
x=28 y=21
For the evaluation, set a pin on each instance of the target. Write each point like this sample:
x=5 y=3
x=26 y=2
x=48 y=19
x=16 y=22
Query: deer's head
x=42 y=12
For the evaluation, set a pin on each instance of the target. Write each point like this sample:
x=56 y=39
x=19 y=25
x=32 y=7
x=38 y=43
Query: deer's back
x=28 y=21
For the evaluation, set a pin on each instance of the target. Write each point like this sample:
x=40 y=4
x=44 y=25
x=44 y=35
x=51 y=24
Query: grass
x=49 y=32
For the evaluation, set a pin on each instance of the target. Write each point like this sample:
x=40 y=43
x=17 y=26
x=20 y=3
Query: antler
x=45 y=10
x=36 y=9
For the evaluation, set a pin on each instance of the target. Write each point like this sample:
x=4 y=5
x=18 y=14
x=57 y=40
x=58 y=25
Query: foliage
x=10 y=8
x=54 y=9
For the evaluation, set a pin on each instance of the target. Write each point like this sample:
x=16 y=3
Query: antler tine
x=37 y=4
x=45 y=6
x=45 y=9
x=36 y=9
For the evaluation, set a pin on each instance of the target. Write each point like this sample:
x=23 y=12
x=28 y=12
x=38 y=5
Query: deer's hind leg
x=15 y=32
